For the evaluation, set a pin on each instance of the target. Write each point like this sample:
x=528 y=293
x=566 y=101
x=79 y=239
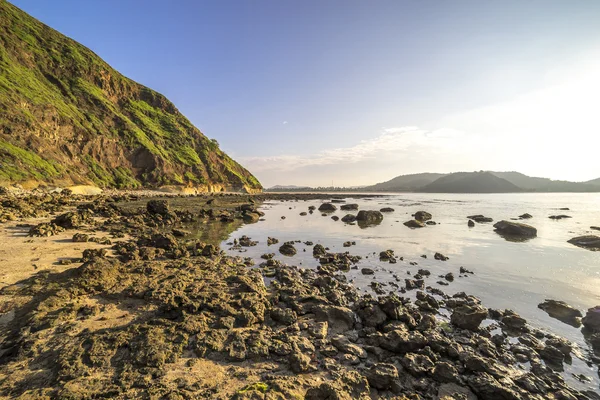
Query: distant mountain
x=283 y=187
x=404 y=183
x=593 y=182
x=470 y=182
x=529 y=183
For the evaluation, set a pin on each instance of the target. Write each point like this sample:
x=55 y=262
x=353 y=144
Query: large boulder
x=562 y=312
x=369 y=217
x=422 y=216
x=469 y=317
x=592 y=319
x=510 y=228
x=590 y=242
x=327 y=207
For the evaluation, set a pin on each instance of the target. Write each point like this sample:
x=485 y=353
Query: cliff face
x=67 y=117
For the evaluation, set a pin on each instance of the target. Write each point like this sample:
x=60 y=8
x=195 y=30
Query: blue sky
x=357 y=92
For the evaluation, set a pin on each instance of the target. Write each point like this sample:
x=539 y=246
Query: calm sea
x=508 y=275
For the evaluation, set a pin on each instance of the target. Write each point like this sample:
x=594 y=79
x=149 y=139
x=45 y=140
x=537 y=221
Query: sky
x=347 y=92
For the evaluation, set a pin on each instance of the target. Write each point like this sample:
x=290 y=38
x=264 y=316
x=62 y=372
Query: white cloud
x=285 y=122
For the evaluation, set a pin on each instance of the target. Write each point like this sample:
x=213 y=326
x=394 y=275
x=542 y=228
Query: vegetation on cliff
x=67 y=117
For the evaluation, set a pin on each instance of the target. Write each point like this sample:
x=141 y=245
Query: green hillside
x=67 y=117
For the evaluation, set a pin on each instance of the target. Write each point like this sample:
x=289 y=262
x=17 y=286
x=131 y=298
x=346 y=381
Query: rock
x=271 y=240
x=160 y=207
x=342 y=343
x=471 y=223
x=417 y=364
x=303 y=214
x=422 y=216
x=80 y=238
x=285 y=316
x=387 y=209
x=245 y=241
x=318 y=330
x=591 y=321
x=349 y=207
x=299 y=362
x=414 y=284
x=386 y=255
x=180 y=232
x=468 y=317
x=525 y=216
x=335 y=218
x=45 y=229
x=367 y=271
x=596 y=228
x=319 y=250
x=444 y=372
x=430 y=223
x=590 y=242
x=288 y=249
x=486 y=387
x=562 y=312
x=514 y=321
x=250 y=217
x=414 y=224
x=369 y=217
x=327 y=207
x=348 y=218
x=561 y=216
x=339 y=319
x=449 y=277
x=441 y=257
x=75 y=219
x=401 y=341
x=382 y=375
x=480 y=218
x=515 y=229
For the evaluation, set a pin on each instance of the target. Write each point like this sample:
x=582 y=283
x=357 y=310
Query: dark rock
x=417 y=364
x=348 y=218
x=327 y=207
x=339 y=319
x=401 y=341
x=441 y=257
x=480 y=218
x=468 y=317
x=271 y=240
x=562 y=312
x=414 y=224
x=387 y=209
x=591 y=321
x=80 y=238
x=288 y=249
x=299 y=362
x=422 y=216
x=160 y=207
x=319 y=250
x=444 y=372
x=382 y=375
x=515 y=229
x=471 y=223
x=590 y=242
x=369 y=217
x=349 y=207
x=561 y=216
x=335 y=218
x=525 y=216
x=367 y=271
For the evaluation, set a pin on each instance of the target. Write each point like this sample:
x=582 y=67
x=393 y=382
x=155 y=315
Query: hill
x=67 y=117
x=470 y=182
x=593 y=182
x=529 y=183
x=404 y=183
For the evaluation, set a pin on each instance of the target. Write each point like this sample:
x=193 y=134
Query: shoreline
x=166 y=315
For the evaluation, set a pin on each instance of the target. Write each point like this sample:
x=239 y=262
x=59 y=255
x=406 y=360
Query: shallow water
x=508 y=275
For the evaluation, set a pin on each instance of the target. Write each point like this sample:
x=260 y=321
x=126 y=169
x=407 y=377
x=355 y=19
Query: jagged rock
x=160 y=207
x=414 y=224
x=342 y=343
x=45 y=229
x=72 y=220
x=327 y=207
x=468 y=317
x=400 y=341
x=417 y=364
x=299 y=362
x=382 y=375
x=285 y=316
x=590 y=242
x=422 y=216
x=318 y=250
x=514 y=321
x=591 y=321
x=562 y=312
x=441 y=257
x=515 y=229
x=339 y=319
x=444 y=372
x=271 y=240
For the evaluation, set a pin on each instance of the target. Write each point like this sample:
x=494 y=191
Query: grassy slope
x=67 y=115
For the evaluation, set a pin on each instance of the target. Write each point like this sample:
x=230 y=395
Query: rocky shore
x=154 y=309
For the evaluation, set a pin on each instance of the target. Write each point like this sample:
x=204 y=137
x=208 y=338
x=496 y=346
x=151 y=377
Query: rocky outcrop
x=68 y=118
x=562 y=312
